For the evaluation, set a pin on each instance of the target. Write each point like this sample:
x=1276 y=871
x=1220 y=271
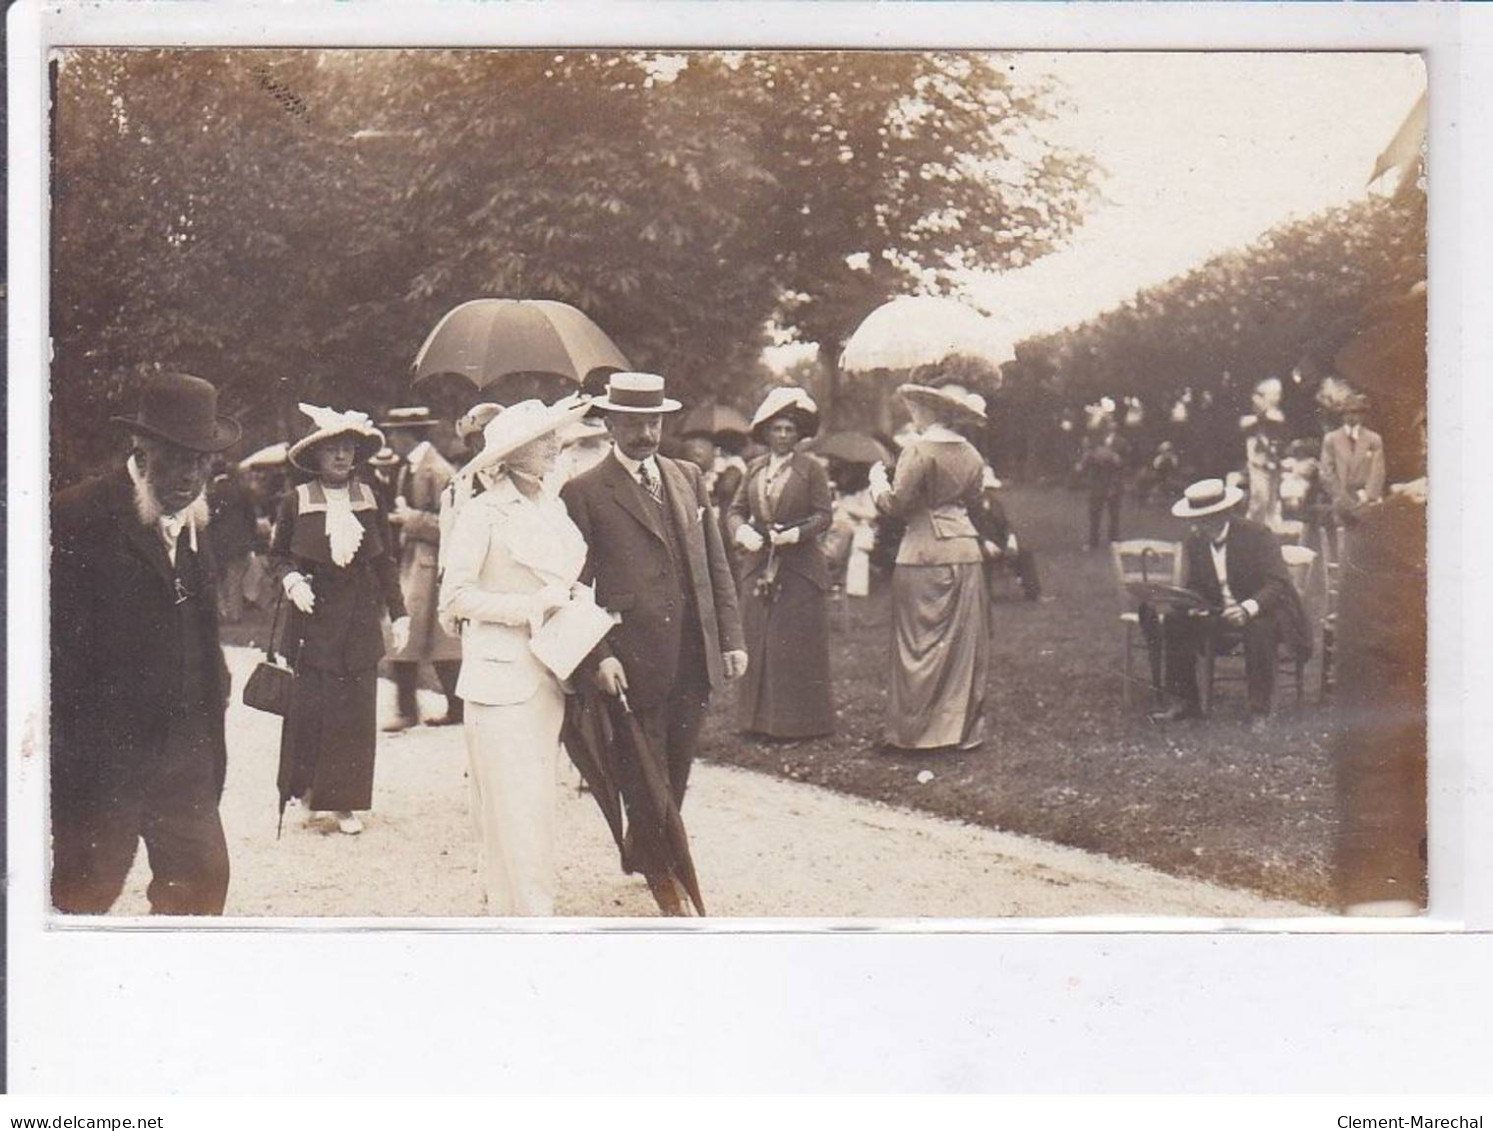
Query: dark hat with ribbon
x=182 y=410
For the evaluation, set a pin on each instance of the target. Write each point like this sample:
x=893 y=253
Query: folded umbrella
x=587 y=735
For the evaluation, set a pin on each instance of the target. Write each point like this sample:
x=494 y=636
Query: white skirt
x=513 y=751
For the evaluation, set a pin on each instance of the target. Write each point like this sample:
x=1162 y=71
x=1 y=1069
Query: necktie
x=650 y=482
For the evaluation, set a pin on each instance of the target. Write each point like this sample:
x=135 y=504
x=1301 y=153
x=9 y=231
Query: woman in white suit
x=513 y=559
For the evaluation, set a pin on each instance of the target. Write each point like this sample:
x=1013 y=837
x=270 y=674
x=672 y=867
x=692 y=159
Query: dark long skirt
x=786 y=691
x=940 y=657
x=328 y=740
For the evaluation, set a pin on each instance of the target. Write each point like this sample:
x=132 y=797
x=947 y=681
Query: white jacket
x=504 y=549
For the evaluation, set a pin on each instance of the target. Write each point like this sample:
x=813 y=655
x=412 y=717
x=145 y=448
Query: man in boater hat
x=1236 y=565
x=139 y=685
x=655 y=554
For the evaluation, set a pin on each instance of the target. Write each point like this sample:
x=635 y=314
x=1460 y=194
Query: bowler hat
x=183 y=410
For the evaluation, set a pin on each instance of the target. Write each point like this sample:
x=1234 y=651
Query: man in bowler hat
x=139 y=684
x=655 y=554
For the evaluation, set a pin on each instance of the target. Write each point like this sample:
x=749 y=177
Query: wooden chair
x=1299 y=561
x=1141 y=560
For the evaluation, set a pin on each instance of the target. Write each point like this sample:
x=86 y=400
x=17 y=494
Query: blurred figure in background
x=781 y=508
x=235 y=533
x=1264 y=432
x=1101 y=467
x=1380 y=705
x=1352 y=461
x=415 y=516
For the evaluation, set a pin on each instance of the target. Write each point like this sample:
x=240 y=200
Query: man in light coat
x=655 y=554
x=1352 y=465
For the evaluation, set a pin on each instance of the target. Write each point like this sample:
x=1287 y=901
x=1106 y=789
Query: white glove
x=748 y=538
x=399 y=634
x=787 y=537
x=298 y=589
x=877 y=480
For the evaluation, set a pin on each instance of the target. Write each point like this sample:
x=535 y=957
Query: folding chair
x=1141 y=560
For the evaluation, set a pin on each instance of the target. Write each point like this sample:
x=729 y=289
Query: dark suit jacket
x=116 y=644
x=628 y=559
x=1257 y=571
x=805 y=502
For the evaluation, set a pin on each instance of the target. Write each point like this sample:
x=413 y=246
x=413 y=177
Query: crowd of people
x=559 y=573
x=559 y=525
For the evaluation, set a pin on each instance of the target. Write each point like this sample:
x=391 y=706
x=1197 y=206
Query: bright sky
x=1203 y=152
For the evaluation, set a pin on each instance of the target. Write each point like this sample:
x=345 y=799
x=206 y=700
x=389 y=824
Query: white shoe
x=348 y=823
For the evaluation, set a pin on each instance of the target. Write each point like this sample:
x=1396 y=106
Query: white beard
x=148 y=508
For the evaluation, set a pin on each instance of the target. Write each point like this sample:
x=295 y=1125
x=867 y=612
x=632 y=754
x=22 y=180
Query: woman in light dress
x=513 y=559
x=941 y=642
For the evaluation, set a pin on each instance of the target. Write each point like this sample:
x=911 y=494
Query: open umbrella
x=712 y=420
x=909 y=332
x=488 y=339
x=851 y=447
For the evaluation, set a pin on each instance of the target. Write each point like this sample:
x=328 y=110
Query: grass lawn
x=1065 y=761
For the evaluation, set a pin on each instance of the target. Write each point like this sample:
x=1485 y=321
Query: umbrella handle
x=626 y=706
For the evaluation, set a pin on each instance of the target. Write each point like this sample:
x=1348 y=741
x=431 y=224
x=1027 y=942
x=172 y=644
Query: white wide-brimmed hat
x=789 y=401
x=328 y=424
x=521 y=424
x=635 y=392
x=949 y=404
x=1207 y=496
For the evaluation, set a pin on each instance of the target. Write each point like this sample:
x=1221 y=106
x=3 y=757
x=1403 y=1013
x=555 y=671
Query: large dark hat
x=184 y=411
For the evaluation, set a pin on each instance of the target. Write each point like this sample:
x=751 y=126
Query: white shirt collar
x=1223 y=536
x=631 y=465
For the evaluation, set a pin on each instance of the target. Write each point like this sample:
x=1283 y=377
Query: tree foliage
x=1283 y=306
x=291 y=223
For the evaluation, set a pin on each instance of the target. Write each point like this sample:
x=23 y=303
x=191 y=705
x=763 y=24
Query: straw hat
x=521 y=424
x=409 y=416
x=635 y=392
x=789 y=401
x=329 y=424
x=949 y=404
x=1207 y=496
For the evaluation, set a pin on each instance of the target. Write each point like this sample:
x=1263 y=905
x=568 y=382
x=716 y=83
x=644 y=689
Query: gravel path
x=763 y=847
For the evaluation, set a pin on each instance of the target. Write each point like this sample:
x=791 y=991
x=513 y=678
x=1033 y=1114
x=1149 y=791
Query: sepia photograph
x=499 y=484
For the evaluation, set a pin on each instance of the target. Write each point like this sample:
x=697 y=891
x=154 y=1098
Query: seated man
x=1237 y=567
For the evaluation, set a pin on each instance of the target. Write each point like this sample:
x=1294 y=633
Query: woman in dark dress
x=334 y=557
x=780 y=510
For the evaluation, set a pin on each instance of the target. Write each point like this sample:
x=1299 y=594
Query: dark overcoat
x=786 y=692
x=1258 y=572
x=628 y=559
x=116 y=644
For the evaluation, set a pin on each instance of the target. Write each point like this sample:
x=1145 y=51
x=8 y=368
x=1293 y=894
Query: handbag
x=272 y=683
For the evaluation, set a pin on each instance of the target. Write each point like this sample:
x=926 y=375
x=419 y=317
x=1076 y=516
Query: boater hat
x=635 y=392
x=409 y=416
x=1207 y=496
x=329 y=424
x=791 y=402
x=183 y=410
x=521 y=424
